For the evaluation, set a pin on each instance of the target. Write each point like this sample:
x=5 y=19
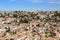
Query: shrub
x=15 y=15
x=52 y=34
x=7 y=29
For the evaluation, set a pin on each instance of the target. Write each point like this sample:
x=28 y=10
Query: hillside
x=30 y=25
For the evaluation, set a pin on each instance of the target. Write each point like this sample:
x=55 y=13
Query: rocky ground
x=30 y=25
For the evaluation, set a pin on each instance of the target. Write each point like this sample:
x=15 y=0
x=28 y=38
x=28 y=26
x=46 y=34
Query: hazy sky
x=29 y=4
